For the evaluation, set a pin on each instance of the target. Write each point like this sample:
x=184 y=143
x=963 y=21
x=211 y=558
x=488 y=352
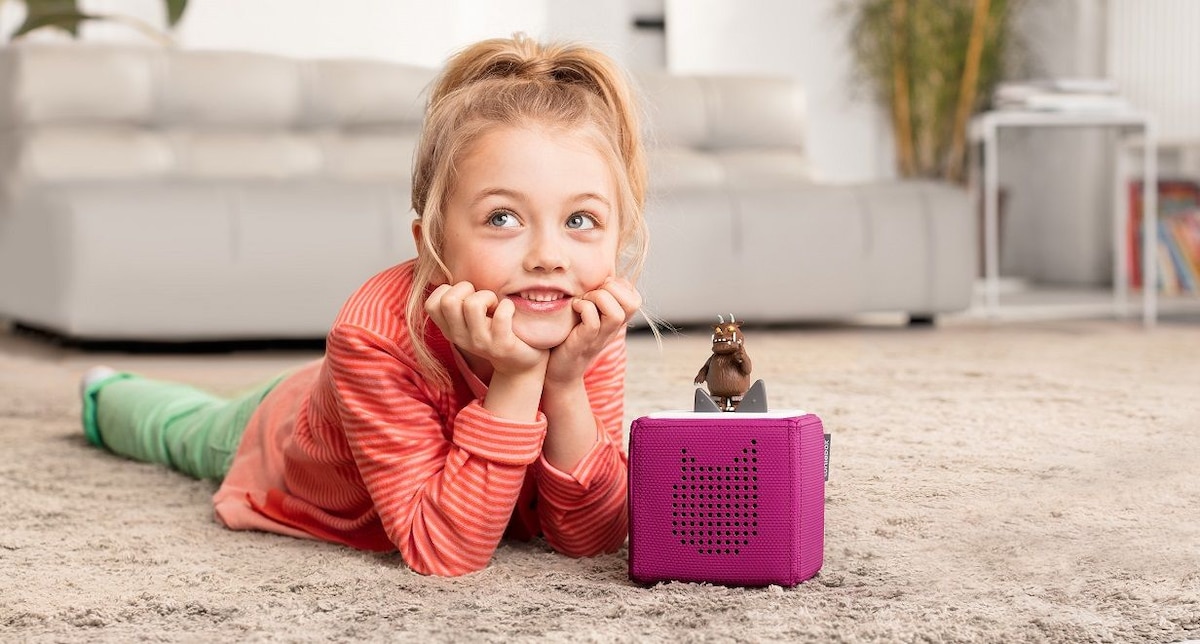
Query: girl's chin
x=544 y=334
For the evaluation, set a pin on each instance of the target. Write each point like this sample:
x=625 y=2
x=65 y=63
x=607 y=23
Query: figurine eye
x=731 y=329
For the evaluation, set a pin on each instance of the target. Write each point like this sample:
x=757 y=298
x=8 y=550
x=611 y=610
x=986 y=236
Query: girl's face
x=532 y=217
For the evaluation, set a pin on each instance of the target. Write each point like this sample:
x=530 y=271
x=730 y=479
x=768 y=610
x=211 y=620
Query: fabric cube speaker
x=726 y=498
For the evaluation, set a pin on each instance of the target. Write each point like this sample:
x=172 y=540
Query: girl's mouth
x=540 y=301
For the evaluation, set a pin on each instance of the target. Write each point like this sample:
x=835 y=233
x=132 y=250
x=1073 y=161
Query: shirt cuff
x=501 y=440
x=597 y=466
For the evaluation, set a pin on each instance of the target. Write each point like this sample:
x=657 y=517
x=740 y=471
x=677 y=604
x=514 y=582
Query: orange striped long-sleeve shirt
x=359 y=449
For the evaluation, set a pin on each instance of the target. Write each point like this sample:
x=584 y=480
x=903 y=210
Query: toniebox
x=727 y=498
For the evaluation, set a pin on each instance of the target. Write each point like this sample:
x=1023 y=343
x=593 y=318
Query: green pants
x=177 y=425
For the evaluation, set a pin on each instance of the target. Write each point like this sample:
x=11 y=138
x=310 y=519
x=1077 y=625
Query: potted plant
x=66 y=15
x=931 y=64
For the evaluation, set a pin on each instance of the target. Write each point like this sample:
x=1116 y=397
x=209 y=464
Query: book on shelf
x=1177 y=259
x=1184 y=252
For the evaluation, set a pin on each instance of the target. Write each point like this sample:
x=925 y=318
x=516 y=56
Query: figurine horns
x=720 y=319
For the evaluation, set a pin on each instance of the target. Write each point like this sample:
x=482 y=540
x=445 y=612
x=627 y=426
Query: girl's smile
x=540 y=301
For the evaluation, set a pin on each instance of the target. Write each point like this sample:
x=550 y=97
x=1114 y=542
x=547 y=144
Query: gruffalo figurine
x=727 y=370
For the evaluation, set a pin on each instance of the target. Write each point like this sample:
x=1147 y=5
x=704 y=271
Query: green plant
x=65 y=15
x=931 y=64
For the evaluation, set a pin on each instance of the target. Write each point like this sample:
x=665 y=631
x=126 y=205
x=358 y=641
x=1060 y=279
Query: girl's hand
x=480 y=324
x=602 y=314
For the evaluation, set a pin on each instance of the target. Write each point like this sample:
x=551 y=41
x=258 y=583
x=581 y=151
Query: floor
x=1020 y=300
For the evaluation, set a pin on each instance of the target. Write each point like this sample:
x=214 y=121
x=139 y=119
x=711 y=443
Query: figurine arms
x=702 y=375
x=743 y=362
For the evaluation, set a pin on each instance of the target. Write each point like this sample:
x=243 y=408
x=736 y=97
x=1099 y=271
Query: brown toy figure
x=727 y=370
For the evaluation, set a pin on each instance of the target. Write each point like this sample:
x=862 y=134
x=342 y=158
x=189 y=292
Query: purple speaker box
x=727 y=498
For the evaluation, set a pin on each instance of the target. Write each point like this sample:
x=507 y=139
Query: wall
x=1058 y=182
x=408 y=31
x=849 y=137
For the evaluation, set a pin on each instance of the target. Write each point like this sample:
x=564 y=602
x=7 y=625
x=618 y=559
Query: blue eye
x=503 y=219
x=581 y=221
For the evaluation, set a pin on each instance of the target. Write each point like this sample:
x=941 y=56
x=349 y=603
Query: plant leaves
x=67 y=21
x=45 y=7
x=65 y=14
x=175 y=9
x=935 y=38
x=50 y=13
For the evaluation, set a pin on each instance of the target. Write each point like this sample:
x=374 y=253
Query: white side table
x=984 y=131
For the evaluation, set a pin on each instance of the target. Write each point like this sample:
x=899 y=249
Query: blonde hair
x=510 y=82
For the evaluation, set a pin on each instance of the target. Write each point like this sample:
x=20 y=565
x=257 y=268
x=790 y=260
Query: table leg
x=1149 y=227
x=1121 y=229
x=991 y=226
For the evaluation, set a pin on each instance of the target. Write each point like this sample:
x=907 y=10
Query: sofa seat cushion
x=57 y=154
x=71 y=153
x=675 y=169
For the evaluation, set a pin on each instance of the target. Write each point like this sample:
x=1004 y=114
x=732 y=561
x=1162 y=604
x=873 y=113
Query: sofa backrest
x=84 y=112
x=724 y=130
x=87 y=112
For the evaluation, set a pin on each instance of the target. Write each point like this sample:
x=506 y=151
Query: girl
x=474 y=392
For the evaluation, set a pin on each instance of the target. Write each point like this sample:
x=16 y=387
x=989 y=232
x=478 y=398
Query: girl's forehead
x=524 y=155
x=584 y=138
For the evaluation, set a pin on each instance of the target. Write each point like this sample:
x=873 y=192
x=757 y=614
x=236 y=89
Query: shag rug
x=1015 y=482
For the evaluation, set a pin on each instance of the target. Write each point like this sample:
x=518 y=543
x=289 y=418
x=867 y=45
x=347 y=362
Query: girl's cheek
x=439 y=277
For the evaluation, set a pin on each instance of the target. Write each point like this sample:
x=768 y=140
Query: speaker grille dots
x=714 y=506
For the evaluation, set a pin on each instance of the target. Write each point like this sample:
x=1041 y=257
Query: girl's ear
x=416 y=233
x=439 y=277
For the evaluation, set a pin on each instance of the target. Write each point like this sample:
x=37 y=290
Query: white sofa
x=159 y=195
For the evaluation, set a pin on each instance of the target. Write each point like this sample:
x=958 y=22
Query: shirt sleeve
x=583 y=512
x=444 y=497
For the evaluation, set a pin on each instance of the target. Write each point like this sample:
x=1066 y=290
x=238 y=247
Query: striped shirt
x=358 y=448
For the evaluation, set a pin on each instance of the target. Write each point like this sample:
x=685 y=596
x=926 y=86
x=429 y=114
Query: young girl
x=474 y=392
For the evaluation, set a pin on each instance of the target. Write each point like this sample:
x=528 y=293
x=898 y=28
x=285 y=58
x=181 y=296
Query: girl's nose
x=547 y=252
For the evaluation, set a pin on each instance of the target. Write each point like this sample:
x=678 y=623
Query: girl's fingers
x=502 y=318
x=445 y=306
x=589 y=315
x=434 y=301
x=625 y=293
x=617 y=303
x=607 y=306
x=476 y=308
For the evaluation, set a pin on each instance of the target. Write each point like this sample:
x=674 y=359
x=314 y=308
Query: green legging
x=177 y=425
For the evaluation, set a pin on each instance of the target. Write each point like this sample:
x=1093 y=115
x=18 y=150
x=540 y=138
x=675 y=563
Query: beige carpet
x=1027 y=482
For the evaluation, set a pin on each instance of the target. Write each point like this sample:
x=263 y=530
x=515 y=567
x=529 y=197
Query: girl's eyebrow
x=593 y=196
x=518 y=196
x=495 y=192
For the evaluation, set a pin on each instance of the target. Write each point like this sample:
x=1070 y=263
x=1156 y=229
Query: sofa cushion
x=369 y=156
x=718 y=113
x=356 y=93
x=230 y=89
x=716 y=131
x=65 y=153
x=680 y=168
x=676 y=113
x=79 y=84
x=765 y=167
x=675 y=169
x=245 y=155
x=755 y=112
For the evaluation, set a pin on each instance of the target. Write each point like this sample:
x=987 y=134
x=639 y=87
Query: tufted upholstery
x=180 y=195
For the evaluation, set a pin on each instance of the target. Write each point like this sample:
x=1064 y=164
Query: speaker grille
x=714 y=506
